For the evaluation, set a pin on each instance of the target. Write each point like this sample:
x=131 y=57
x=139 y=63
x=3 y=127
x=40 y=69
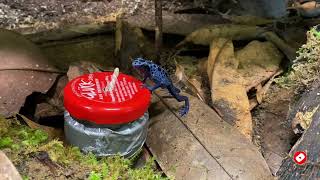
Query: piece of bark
x=308 y=142
x=181 y=24
x=201 y=145
x=270 y=125
x=274 y=161
x=7 y=169
x=302 y=111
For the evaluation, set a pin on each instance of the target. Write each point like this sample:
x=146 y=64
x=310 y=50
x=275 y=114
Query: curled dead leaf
x=192 y=84
x=195 y=81
x=215 y=51
x=23 y=70
x=261 y=91
x=227 y=90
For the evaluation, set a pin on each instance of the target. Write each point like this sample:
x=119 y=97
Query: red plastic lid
x=85 y=99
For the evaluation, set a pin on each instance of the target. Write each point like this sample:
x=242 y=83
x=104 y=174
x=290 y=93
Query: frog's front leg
x=173 y=91
x=152 y=88
x=145 y=77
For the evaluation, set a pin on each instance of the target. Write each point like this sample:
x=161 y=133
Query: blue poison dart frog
x=161 y=78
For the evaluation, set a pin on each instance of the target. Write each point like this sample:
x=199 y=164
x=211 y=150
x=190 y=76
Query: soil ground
x=38 y=15
x=272 y=131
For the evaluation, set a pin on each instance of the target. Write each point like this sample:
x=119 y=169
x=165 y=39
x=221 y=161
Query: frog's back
x=159 y=75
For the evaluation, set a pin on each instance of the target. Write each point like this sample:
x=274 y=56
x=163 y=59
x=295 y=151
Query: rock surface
x=7 y=169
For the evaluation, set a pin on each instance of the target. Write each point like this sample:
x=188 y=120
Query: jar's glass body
x=125 y=140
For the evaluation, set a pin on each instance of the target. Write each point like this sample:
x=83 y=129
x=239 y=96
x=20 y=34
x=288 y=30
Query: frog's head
x=139 y=63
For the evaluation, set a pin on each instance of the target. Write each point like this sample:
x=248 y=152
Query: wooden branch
x=308 y=142
x=181 y=24
x=158 y=28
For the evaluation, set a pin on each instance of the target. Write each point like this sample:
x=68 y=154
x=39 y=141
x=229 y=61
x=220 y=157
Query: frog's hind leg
x=173 y=91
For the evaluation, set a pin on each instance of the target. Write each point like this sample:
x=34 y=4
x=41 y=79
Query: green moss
x=315 y=32
x=18 y=137
x=306 y=67
x=144 y=173
x=95 y=176
x=4 y=125
x=5 y=142
x=19 y=142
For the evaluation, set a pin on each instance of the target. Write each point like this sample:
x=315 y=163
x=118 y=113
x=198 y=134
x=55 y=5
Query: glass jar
x=106 y=122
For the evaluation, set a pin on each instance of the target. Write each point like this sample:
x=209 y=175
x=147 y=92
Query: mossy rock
x=36 y=157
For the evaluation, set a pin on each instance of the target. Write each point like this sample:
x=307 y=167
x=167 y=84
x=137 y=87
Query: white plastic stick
x=114 y=79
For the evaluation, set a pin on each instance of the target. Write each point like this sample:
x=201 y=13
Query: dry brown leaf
x=193 y=84
x=307 y=6
x=227 y=90
x=202 y=65
x=205 y=35
x=179 y=73
x=53 y=133
x=236 y=73
x=215 y=50
x=195 y=81
x=258 y=62
x=22 y=71
x=73 y=72
x=261 y=91
x=253 y=103
x=57 y=98
x=307 y=9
